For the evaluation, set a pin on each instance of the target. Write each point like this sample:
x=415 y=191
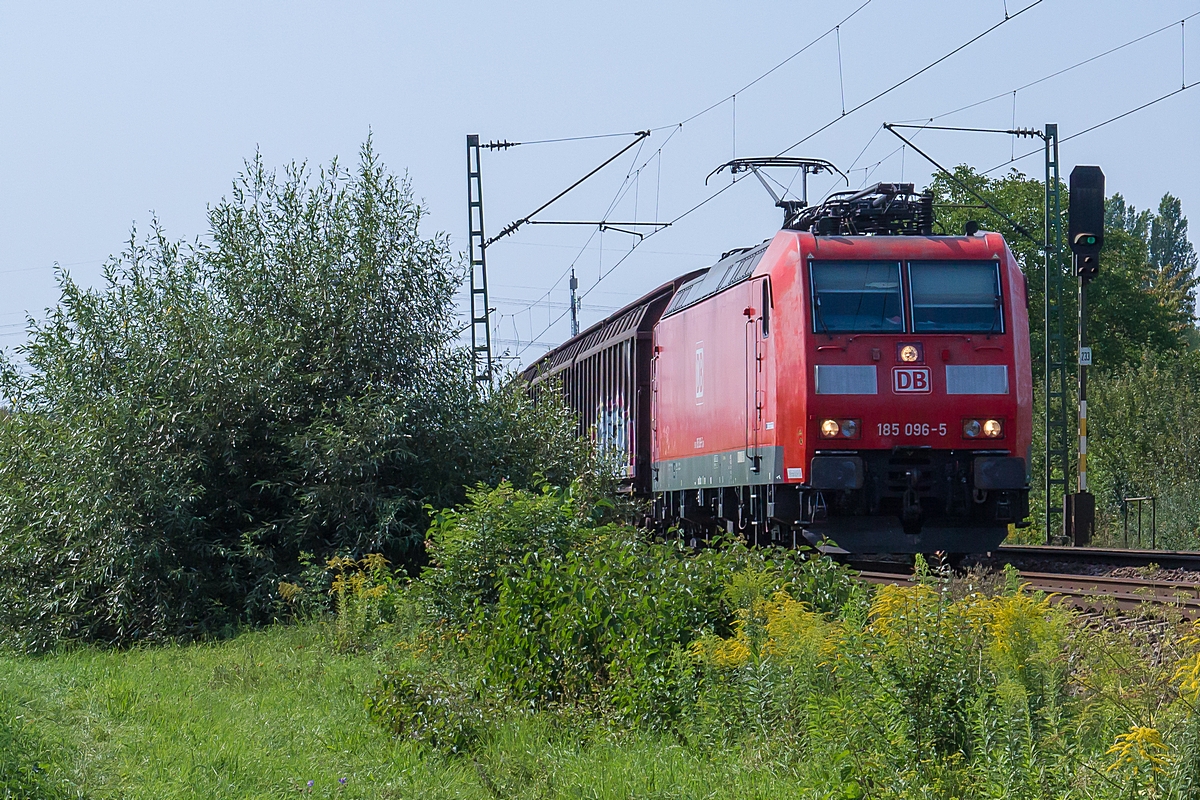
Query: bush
x=566 y=610
x=928 y=689
x=927 y=680
x=293 y=384
x=439 y=713
x=473 y=545
x=600 y=622
x=1143 y=441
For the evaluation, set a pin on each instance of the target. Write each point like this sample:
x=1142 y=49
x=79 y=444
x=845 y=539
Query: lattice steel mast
x=481 y=329
x=1057 y=435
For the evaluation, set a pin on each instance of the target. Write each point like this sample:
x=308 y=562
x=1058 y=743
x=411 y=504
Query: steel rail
x=1115 y=557
x=1093 y=592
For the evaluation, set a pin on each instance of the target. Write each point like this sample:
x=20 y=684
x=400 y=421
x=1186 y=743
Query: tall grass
x=265 y=713
x=624 y=667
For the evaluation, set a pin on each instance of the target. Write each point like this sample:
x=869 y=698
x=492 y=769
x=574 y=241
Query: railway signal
x=1086 y=237
x=1086 y=226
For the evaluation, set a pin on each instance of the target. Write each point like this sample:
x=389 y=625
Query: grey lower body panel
x=906 y=500
x=727 y=469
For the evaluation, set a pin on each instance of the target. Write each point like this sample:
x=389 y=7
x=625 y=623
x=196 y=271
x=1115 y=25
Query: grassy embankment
x=547 y=654
x=265 y=713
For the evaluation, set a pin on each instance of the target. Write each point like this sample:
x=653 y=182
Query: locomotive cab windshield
x=944 y=297
x=856 y=296
x=956 y=296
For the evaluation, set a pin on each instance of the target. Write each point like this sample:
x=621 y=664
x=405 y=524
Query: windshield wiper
x=820 y=316
x=995 y=317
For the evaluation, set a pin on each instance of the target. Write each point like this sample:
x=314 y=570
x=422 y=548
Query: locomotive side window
x=956 y=296
x=766 y=308
x=856 y=296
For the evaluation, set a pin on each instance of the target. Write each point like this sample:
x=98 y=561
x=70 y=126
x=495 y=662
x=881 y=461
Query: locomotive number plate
x=911 y=380
x=910 y=429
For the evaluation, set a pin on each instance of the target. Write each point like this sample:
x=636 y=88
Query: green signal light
x=1091 y=240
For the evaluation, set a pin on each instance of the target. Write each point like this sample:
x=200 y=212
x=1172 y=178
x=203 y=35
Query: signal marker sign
x=911 y=380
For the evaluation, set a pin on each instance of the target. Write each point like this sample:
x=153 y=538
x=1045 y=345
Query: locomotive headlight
x=993 y=429
x=971 y=428
x=840 y=428
x=910 y=353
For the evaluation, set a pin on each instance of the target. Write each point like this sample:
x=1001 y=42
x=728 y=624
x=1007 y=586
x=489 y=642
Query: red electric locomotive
x=855 y=378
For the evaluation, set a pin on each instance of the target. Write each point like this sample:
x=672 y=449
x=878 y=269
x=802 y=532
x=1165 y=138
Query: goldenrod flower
x=1141 y=746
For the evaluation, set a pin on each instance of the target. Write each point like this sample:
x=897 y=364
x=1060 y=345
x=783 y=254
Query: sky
x=114 y=115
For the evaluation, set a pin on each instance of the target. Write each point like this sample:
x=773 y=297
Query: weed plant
x=943 y=687
x=593 y=661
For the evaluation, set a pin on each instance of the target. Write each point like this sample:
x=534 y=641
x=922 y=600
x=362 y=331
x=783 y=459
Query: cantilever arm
x=512 y=226
x=1018 y=227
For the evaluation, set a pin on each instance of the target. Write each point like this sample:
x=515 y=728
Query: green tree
x=291 y=384
x=1173 y=257
x=1125 y=314
x=1144 y=441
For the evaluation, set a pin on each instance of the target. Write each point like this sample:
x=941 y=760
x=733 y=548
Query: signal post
x=1086 y=236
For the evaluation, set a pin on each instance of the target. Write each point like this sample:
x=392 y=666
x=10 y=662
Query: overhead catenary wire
x=953 y=178
x=676 y=127
x=864 y=150
x=1184 y=86
x=892 y=88
x=841 y=79
x=54 y=265
x=1062 y=71
x=868 y=170
x=616 y=198
x=714 y=195
x=620 y=193
x=709 y=107
x=505 y=145
x=1012 y=150
x=927 y=121
x=605 y=273
x=513 y=226
x=865 y=103
x=1109 y=121
x=1016 y=226
x=911 y=77
x=766 y=74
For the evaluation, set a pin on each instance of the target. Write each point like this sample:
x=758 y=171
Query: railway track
x=1095 y=593
x=1046 y=558
x=1099 y=556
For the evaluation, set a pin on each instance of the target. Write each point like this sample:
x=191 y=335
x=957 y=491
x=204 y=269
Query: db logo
x=910 y=380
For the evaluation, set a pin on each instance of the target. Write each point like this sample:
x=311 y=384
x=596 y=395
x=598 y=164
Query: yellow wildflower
x=1141 y=746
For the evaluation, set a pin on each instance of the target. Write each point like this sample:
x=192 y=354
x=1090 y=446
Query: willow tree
x=214 y=415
